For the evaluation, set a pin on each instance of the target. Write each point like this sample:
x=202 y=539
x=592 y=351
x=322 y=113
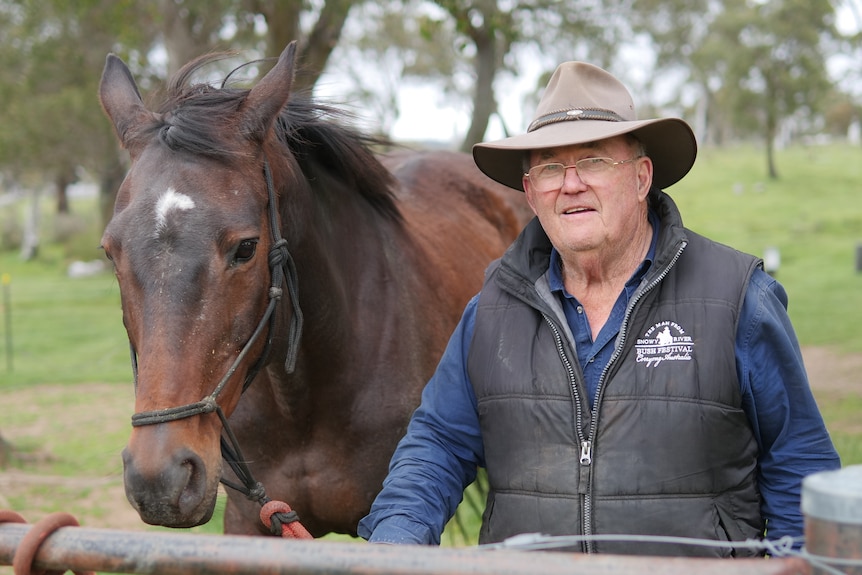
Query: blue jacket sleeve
x=438 y=456
x=777 y=398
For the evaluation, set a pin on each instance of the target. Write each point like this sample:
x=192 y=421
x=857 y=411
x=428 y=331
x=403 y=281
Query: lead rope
x=277 y=516
x=25 y=555
x=283 y=267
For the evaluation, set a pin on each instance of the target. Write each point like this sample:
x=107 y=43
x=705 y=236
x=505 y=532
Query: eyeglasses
x=549 y=177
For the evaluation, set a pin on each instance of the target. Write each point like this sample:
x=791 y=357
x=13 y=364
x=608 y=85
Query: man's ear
x=644 y=175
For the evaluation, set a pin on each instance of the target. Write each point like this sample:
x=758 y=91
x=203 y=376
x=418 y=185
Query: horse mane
x=201 y=119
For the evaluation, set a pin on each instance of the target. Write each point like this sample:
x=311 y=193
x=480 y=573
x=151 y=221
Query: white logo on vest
x=665 y=341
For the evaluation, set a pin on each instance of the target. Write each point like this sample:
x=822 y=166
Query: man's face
x=596 y=215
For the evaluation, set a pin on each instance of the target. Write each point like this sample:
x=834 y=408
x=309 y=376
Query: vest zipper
x=586 y=457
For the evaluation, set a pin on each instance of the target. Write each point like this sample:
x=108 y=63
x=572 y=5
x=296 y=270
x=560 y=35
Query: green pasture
x=69 y=331
x=812 y=215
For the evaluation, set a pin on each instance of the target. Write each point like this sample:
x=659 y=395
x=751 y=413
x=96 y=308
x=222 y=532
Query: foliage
x=53 y=53
x=466 y=46
x=755 y=64
x=48 y=89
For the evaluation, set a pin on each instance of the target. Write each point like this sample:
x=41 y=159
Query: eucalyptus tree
x=53 y=53
x=468 y=46
x=265 y=27
x=777 y=67
x=756 y=63
x=50 y=62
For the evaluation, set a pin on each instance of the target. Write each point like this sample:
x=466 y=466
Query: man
x=618 y=373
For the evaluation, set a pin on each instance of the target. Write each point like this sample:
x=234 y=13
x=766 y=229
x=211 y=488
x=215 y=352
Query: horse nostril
x=194 y=491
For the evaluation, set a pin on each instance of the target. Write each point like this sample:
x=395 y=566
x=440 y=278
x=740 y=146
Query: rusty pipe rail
x=178 y=553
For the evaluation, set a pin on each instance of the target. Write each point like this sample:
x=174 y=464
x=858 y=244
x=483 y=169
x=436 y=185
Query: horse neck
x=339 y=247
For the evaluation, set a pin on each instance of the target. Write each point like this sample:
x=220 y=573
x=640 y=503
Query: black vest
x=667 y=449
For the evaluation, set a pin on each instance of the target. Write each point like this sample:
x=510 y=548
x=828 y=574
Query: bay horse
x=240 y=199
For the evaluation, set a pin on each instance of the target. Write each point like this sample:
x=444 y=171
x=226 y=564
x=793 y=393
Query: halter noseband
x=283 y=270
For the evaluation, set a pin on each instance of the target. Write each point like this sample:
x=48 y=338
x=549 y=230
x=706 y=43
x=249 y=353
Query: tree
x=467 y=46
x=756 y=63
x=53 y=53
x=191 y=28
x=779 y=67
x=49 y=69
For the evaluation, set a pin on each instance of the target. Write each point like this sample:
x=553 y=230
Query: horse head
x=191 y=241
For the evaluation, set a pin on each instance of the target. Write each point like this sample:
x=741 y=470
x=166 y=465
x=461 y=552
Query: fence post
x=832 y=505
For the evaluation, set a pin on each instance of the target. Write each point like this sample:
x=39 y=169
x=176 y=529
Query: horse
x=287 y=287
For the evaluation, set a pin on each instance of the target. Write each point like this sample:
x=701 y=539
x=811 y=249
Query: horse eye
x=245 y=251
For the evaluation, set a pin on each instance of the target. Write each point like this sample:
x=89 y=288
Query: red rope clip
x=289 y=530
x=25 y=555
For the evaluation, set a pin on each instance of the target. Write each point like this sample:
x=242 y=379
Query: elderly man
x=617 y=373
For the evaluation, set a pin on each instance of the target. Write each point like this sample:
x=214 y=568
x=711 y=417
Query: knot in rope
x=278 y=253
x=208 y=404
x=281 y=520
x=257 y=493
x=275 y=293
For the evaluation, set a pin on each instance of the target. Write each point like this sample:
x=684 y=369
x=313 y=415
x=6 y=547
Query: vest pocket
x=730 y=529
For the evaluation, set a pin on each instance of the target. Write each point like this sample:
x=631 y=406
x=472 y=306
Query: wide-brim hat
x=584 y=103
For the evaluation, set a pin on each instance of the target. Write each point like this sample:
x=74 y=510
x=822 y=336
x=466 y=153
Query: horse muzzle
x=172 y=490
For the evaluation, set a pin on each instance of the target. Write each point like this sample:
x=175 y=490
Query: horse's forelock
x=198 y=117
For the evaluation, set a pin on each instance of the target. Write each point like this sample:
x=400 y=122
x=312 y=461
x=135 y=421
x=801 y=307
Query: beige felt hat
x=583 y=103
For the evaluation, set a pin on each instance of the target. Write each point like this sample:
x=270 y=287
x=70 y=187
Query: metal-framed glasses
x=550 y=177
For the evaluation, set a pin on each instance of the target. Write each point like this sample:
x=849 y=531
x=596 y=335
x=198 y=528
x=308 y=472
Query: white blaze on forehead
x=168 y=202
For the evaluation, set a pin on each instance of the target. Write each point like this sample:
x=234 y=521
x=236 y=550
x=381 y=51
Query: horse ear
x=120 y=97
x=265 y=101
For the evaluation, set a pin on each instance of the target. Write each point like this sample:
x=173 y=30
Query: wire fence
x=783 y=547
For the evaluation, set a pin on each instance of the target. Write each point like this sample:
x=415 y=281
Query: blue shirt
x=443 y=446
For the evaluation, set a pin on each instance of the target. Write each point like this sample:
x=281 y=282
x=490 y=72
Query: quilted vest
x=667 y=449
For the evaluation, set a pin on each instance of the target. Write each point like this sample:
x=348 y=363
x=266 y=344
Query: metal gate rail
x=178 y=553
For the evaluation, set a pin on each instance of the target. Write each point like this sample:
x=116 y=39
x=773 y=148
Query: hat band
x=574 y=114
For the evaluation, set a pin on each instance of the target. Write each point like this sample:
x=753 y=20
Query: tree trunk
x=484 y=103
x=188 y=30
x=63 y=181
x=323 y=40
x=282 y=25
x=282 y=19
x=111 y=178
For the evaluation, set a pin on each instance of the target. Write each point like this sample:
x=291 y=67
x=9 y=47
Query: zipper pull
x=586 y=452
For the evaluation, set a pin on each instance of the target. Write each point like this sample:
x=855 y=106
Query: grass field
x=813 y=215
x=65 y=333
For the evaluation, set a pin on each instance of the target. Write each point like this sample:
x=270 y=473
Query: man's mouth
x=577 y=211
